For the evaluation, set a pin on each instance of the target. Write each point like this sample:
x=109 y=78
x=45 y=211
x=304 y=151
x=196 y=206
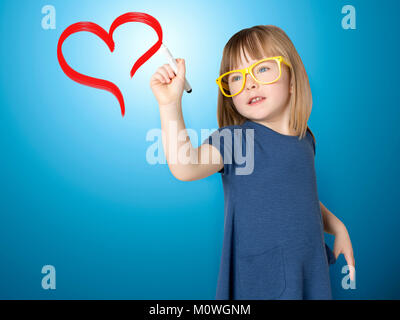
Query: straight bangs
x=254 y=44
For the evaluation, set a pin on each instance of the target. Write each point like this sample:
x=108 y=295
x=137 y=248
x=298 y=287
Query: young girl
x=274 y=244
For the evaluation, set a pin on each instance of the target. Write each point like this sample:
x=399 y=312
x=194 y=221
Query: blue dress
x=273 y=246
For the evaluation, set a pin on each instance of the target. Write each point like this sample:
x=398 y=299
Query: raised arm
x=185 y=162
x=178 y=146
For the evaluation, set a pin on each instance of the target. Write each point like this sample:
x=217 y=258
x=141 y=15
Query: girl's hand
x=343 y=245
x=167 y=86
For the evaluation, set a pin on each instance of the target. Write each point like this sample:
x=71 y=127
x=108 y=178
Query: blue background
x=76 y=189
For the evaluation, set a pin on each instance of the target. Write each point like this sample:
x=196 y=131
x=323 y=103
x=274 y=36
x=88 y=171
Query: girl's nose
x=250 y=83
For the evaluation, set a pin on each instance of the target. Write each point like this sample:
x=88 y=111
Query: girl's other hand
x=343 y=245
x=167 y=86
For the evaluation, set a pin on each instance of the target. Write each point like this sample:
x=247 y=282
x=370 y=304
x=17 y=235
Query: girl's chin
x=259 y=112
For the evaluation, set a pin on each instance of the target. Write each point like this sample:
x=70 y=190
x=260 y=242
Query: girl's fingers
x=159 y=77
x=349 y=259
x=170 y=71
x=164 y=73
x=351 y=263
x=352 y=272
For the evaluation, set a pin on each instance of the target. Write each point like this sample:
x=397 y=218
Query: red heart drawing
x=108 y=39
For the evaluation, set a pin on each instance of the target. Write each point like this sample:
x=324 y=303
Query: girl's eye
x=263 y=68
x=236 y=78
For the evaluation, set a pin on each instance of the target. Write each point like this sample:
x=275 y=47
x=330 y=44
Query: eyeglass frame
x=247 y=70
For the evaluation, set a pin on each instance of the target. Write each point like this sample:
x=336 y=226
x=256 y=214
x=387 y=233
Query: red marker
x=174 y=66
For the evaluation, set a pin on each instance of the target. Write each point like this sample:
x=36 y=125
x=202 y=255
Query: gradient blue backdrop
x=76 y=189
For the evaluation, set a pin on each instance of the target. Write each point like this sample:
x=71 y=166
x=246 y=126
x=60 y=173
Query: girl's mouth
x=257 y=101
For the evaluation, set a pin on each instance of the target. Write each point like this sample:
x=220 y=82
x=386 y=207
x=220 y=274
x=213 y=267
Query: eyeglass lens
x=265 y=71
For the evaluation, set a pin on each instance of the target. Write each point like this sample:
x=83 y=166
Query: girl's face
x=277 y=95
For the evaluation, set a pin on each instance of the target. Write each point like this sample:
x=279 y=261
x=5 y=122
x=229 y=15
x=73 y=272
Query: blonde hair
x=260 y=41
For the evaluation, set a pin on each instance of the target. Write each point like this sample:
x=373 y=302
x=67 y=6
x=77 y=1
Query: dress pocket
x=262 y=276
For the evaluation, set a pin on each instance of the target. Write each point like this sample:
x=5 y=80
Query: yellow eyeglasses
x=264 y=71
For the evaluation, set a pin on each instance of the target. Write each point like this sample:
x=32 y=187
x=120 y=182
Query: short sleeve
x=222 y=139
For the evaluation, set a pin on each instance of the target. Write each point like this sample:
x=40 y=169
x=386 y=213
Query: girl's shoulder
x=226 y=140
x=231 y=131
